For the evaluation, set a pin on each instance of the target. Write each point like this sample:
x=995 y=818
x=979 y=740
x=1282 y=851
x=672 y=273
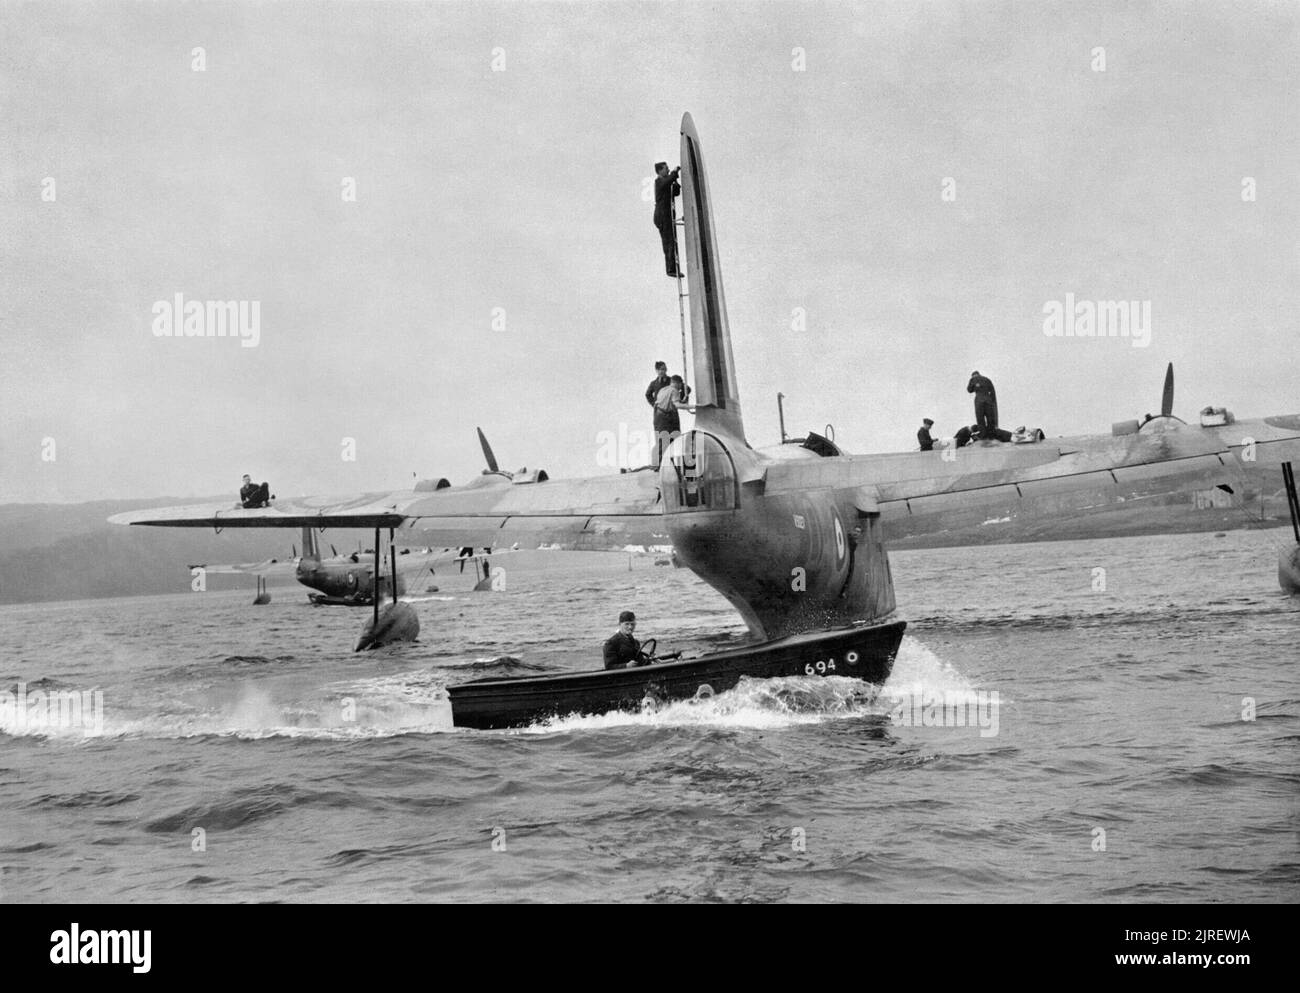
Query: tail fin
x=717 y=397
x=309 y=550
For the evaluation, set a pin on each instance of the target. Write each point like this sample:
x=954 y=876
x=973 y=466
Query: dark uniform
x=668 y=425
x=923 y=436
x=667 y=187
x=651 y=392
x=986 y=402
x=621 y=650
x=656 y=384
x=255 y=495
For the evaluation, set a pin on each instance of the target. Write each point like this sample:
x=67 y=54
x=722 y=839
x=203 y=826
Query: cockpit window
x=697 y=474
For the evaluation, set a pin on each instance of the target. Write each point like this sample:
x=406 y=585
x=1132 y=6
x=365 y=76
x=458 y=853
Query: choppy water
x=1119 y=711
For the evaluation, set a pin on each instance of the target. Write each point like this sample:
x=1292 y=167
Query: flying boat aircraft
x=349 y=579
x=793 y=535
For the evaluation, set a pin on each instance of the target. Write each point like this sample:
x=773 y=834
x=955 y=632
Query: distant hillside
x=70 y=551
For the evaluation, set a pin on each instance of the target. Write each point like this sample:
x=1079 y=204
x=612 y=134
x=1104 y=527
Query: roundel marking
x=841 y=547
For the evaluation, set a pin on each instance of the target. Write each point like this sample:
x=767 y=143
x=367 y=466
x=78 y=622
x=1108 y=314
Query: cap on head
x=975 y=373
x=927 y=422
x=662 y=365
x=660 y=165
x=627 y=615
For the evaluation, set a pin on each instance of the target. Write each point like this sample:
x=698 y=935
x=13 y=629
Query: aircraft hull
x=1288 y=570
x=396 y=622
x=866 y=652
x=325 y=600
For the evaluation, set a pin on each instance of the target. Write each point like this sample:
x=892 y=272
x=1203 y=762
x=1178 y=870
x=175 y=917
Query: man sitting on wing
x=252 y=496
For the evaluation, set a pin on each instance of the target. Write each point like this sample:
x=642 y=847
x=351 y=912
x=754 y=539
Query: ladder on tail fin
x=682 y=294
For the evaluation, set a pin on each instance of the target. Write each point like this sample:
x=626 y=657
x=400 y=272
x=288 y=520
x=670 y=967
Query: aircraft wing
x=1040 y=495
x=597 y=513
x=413 y=560
x=1040 y=491
x=1021 y=492
x=271 y=567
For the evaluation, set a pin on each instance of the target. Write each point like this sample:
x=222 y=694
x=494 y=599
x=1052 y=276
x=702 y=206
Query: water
x=1120 y=711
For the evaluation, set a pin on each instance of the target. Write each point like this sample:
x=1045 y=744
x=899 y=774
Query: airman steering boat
x=864 y=652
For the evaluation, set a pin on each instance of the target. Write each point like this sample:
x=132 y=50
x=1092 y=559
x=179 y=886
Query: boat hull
x=865 y=652
x=326 y=600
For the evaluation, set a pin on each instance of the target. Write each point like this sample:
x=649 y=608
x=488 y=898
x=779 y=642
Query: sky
x=899 y=191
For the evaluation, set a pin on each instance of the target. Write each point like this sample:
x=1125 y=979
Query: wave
x=90 y=798
x=1056 y=617
x=234 y=810
x=760 y=704
x=763 y=704
x=498 y=663
x=414 y=702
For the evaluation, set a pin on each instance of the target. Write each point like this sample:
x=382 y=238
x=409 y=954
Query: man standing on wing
x=986 y=403
x=923 y=435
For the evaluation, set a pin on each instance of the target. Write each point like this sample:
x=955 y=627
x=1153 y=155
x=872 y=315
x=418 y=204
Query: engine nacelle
x=527 y=476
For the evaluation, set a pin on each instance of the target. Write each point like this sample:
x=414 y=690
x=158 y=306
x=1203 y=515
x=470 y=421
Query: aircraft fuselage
x=789 y=562
x=350 y=579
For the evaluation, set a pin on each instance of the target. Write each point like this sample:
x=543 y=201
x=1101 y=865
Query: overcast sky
x=522 y=190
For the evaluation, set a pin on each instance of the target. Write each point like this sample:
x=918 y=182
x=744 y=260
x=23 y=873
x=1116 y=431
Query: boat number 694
x=823 y=666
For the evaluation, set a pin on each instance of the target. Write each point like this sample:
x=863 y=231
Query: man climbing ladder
x=667 y=189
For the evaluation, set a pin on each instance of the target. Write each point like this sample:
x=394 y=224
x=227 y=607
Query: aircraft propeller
x=1166 y=400
x=494 y=469
x=487 y=452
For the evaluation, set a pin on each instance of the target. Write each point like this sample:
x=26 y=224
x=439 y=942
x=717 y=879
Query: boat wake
x=919 y=672
x=415 y=702
x=378 y=707
x=765 y=704
x=760 y=704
